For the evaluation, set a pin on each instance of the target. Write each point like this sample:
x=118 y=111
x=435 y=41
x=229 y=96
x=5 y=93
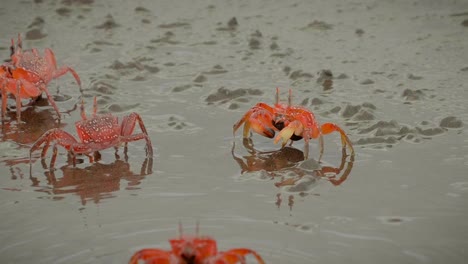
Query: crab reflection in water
x=296 y=175
x=95 y=182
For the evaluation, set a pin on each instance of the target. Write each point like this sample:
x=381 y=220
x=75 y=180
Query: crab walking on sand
x=96 y=133
x=194 y=250
x=291 y=121
x=28 y=74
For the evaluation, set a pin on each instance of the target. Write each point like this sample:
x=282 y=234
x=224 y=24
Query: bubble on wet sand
x=367 y=82
x=414 y=77
x=451 y=122
x=134 y=67
x=63 y=11
x=181 y=88
x=166 y=39
x=118 y=108
x=38 y=22
x=217 y=69
x=231 y=25
x=465 y=23
x=307 y=227
x=165 y=123
x=103 y=87
x=95 y=45
x=200 y=78
x=325 y=78
x=391 y=132
x=394 y=220
x=79 y=2
x=108 y=24
x=363 y=112
x=312 y=102
x=413 y=95
x=318 y=25
x=255 y=41
x=141 y=9
x=175 y=25
x=36 y=29
x=34 y=34
x=298 y=74
x=359 y=32
x=223 y=95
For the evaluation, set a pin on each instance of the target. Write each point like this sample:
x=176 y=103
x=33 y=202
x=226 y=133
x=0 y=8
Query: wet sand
x=392 y=74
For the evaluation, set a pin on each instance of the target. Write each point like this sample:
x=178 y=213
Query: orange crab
x=28 y=74
x=96 y=133
x=292 y=122
x=193 y=250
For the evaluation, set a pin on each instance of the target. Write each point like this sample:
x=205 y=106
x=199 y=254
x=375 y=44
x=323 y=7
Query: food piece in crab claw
x=96 y=133
x=193 y=250
x=28 y=74
x=292 y=122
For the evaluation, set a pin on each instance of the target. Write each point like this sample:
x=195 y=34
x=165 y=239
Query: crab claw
x=259 y=119
x=293 y=128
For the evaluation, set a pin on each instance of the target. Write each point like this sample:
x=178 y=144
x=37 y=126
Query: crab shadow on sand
x=94 y=182
x=293 y=174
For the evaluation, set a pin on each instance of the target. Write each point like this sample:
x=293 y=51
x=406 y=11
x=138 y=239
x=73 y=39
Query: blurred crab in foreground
x=292 y=122
x=28 y=74
x=96 y=133
x=193 y=250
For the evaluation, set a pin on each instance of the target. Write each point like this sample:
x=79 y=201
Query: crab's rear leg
x=127 y=128
x=43 y=88
x=3 y=83
x=238 y=254
x=151 y=256
x=18 y=101
x=328 y=128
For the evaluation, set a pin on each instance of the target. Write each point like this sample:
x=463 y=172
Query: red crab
x=193 y=250
x=292 y=122
x=28 y=74
x=96 y=133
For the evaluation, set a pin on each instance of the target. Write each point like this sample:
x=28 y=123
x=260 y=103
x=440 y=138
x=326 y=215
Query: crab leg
x=328 y=128
x=238 y=254
x=50 y=57
x=29 y=89
x=43 y=88
x=4 y=97
x=18 y=101
x=127 y=127
x=151 y=256
x=259 y=119
x=59 y=136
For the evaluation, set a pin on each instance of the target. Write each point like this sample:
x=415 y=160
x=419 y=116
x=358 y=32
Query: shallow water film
x=392 y=74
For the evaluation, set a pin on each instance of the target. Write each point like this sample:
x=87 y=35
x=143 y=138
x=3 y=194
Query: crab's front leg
x=259 y=119
x=127 y=127
x=56 y=73
x=57 y=136
x=237 y=255
x=328 y=128
x=151 y=256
